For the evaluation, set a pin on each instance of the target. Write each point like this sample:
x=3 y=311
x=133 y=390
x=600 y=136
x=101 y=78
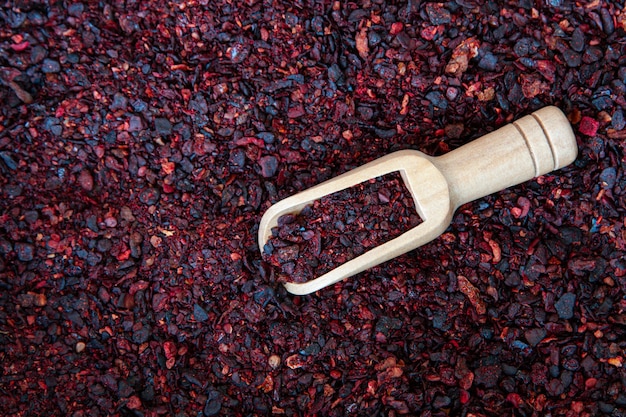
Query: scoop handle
x=529 y=147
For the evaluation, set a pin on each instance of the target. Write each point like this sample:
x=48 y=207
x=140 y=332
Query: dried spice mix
x=140 y=143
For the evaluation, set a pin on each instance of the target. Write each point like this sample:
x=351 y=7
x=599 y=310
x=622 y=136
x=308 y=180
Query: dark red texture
x=141 y=142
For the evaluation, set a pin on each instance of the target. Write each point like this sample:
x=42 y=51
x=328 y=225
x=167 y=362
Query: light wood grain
x=532 y=146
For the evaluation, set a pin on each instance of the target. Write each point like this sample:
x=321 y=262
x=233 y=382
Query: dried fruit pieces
x=340 y=227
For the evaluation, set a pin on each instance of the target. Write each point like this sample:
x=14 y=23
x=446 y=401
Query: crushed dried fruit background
x=140 y=143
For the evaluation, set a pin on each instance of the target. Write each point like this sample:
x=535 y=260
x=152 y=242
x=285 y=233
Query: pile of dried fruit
x=140 y=143
x=340 y=227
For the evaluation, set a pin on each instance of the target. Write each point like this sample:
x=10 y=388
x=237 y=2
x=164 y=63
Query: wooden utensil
x=529 y=147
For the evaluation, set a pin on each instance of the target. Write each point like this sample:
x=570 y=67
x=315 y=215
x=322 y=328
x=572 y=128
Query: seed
x=274 y=361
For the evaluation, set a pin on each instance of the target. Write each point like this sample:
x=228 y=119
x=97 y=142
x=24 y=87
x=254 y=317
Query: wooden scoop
x=531 y=146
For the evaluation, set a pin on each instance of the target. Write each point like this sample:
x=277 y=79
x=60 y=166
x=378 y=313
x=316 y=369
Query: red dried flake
x=522 y=209
x=547 y=69
x=123 y=255
x=515 y=399
x=495 y=250
x=466 y=380
x=588 y=126
x=250 y=140
x=168 y=167
x=296 y=111
x=169 y=348
x=137 y=286
x=396 y=27
x=134 y=403
x=168 y=188
x=267 y=385
x=590 y=383
x=533 y=86
x=85 y=179
x=464 y=396
x=19 y=47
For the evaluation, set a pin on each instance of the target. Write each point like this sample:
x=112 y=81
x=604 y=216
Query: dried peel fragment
x=472 y=294
x=461 y=56
x=361 y=43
